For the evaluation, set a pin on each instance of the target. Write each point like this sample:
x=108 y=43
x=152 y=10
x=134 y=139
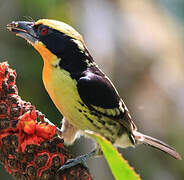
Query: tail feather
x=141 y=138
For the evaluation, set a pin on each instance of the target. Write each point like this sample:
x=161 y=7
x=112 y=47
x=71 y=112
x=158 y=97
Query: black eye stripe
x=40 y=29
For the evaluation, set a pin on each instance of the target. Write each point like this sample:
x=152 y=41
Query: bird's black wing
x=97 y=92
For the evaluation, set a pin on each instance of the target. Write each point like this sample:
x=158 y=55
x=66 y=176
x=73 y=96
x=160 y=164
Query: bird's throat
x=48 y=57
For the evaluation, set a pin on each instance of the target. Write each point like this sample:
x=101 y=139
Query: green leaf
x=118 y=165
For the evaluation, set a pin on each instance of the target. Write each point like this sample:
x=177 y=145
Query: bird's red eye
x=44 y=31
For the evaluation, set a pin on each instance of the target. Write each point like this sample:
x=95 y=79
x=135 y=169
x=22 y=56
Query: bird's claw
x=72 y=162
x=78 y=160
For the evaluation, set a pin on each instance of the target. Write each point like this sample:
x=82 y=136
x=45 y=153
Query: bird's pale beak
x=23 y=29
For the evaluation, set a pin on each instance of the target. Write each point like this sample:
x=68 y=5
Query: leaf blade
x=118 y=165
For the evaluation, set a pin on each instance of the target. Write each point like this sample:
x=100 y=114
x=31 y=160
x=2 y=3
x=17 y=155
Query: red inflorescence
x=29 y=148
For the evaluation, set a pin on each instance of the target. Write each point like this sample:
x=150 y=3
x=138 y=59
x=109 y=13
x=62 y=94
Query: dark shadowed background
x=139 y=44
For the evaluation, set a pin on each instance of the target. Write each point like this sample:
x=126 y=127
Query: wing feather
x=98 y=91
x=99 y=94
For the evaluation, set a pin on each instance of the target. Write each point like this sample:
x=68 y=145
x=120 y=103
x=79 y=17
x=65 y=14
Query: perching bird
x=83 y=94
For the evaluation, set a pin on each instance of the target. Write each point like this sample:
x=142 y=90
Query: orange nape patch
x=47 y=55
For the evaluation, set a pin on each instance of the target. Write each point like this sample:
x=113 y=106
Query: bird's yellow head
x=53 y=39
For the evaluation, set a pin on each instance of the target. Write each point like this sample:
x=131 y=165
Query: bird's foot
x=78 y=160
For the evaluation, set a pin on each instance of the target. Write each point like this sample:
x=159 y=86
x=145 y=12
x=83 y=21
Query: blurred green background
x=139 y=44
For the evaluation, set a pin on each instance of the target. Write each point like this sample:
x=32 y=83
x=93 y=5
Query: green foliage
x=118 y=165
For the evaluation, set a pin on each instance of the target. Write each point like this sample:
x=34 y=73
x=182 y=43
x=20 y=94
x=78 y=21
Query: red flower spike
x=27 y=123
x=29 y=148
x=45 y=131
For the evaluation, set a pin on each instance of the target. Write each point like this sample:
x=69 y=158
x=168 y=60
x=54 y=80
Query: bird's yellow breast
x=61 y=88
